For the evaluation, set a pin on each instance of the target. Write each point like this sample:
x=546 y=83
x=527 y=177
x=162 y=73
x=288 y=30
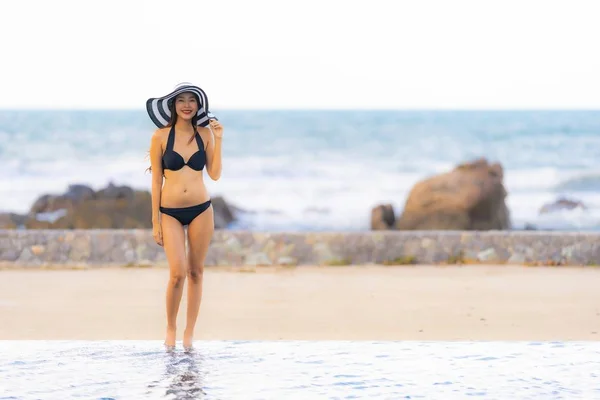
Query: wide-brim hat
x=160 y=114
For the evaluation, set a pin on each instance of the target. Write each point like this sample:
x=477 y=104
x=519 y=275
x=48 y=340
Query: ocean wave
x=580 y=183
x=345 y=162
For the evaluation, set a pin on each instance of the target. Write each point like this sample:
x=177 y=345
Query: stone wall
x=97 y=248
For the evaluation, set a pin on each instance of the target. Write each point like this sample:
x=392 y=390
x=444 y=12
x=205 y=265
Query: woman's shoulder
x=160 y=133
x=159 y=137
x=205 y=133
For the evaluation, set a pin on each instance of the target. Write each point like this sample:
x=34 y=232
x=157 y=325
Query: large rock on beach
x=224 y=212
x=112 y=207
x=11 y=220
x=470 y=197
x=383 y=217
x=74 y=195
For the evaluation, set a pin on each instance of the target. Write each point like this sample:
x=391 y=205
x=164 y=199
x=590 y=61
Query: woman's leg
x=174 y=245
x=200 y=233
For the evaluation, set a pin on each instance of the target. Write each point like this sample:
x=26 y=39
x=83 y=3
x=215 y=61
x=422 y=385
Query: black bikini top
x=174 y=161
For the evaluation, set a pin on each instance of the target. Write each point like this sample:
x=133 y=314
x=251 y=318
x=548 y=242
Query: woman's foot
x=170 y=338
x=169 y=349
x=188 y=338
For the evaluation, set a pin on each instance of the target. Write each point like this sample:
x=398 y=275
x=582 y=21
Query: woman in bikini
x=186 y=143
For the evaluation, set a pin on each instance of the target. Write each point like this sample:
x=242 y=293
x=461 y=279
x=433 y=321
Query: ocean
x=111 y=370
x=311 y=170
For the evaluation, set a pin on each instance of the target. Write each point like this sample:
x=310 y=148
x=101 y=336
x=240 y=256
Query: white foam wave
x=344 y=191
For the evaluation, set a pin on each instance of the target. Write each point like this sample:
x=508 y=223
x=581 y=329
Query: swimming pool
x=299 y=370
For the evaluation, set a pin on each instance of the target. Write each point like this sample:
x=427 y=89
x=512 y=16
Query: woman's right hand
x=157 y=233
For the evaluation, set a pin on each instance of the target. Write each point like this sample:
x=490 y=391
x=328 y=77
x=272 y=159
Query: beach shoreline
x=424 y=302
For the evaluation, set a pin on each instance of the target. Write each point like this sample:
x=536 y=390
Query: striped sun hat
x=158 y=108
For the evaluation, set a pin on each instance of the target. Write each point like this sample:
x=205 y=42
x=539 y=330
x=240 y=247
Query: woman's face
x=186 y=106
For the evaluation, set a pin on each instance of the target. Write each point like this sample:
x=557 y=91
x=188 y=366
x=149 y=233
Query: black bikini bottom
x=185 y=215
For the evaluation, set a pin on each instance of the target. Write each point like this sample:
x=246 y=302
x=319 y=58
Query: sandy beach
x=310 y=303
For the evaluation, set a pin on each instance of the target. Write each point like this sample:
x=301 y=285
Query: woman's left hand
x=216 y=127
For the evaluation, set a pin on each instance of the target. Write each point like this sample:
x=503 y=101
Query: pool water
x=299 y=370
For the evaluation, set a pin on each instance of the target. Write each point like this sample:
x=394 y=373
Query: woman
x=187 y=142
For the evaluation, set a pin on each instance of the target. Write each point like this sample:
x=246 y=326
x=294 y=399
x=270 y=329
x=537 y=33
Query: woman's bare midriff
x=183 y=188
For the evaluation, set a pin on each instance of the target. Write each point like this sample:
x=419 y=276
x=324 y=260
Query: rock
x=223 y=212
x=516 y=258
x=103 y=212
x=257 y=259
x=116 y=192
x=470 y=197
x=383 y=217
x=75 y=194
x=78 y=193
x=49 y=202
x=287 y=261
x=112 y=207
x=562 y=204
x=487 y=255
x=11 y=220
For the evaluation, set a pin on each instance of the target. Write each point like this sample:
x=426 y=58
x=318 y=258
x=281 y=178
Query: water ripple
x=302 y=370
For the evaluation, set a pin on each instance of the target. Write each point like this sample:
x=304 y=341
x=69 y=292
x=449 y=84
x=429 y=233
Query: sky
x=395 y=54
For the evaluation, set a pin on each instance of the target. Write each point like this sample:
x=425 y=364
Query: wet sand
x=310 y=303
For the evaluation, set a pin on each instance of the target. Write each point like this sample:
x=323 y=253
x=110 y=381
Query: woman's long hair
x=173 y=121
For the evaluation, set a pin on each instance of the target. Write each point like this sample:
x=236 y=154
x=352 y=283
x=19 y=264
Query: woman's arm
x=157 y=174
x=213 y=151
